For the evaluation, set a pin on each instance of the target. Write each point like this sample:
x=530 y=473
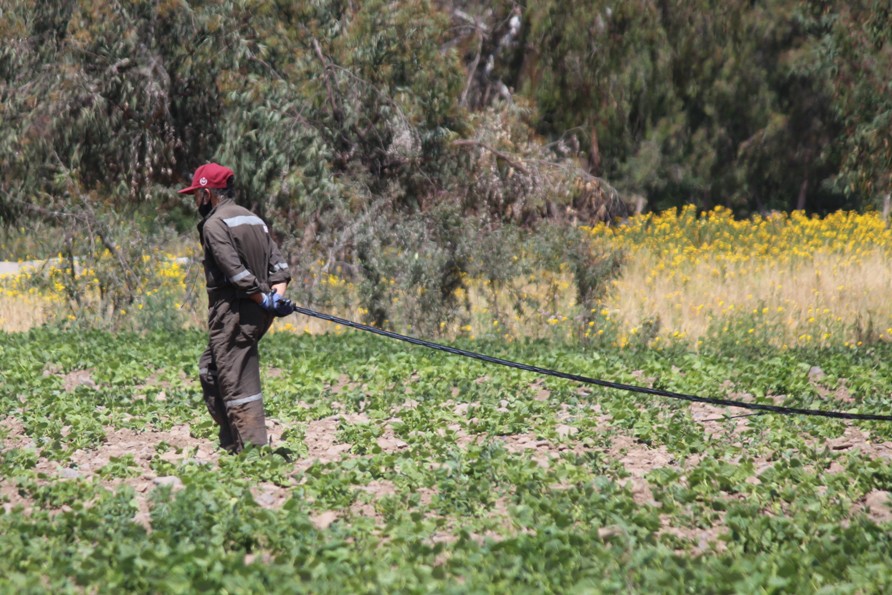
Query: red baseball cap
x=209 y=175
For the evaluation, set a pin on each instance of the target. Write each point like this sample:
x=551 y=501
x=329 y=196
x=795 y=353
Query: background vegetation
x=397 y=140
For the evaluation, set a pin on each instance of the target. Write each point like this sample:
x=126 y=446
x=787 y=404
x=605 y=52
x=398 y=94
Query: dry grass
x=825 y=299
x=18 y=314
x=828 y=299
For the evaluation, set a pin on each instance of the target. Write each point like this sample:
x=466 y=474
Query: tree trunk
x=803 y=193
x=594 y=154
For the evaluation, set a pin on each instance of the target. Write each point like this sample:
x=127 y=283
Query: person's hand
x=283 y=306
x=276 y=304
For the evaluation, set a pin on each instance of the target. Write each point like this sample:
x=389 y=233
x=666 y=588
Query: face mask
x=205 y=207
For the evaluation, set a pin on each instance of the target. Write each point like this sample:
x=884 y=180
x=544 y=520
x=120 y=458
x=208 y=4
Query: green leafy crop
x=403 y=470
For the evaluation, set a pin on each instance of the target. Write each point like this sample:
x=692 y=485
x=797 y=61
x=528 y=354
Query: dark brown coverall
x=240 y=258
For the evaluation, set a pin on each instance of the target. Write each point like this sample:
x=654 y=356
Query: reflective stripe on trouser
x=234 y=328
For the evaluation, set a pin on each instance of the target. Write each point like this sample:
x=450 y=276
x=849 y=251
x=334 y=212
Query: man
x=246 y=279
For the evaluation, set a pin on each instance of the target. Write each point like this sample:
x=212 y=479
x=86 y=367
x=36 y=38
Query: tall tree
x=858 y=55
x=599 y=71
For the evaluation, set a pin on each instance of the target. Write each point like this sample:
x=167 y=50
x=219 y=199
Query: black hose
x=585 y=380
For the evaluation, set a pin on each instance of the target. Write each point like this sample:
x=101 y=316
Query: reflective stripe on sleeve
x=244 y=400
x=240 y=276
x=244 y=220
x=279 y=266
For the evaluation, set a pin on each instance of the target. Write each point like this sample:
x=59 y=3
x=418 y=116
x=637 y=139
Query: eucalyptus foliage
x=344 y=119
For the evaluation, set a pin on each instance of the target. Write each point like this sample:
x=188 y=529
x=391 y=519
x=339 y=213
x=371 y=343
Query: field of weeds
x=408 y=470
x=399 y=469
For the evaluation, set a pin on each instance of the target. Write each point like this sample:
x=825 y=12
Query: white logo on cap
x=203 y=181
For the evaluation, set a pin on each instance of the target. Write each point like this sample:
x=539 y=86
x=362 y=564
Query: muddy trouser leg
x=207 y=373
x=234 y=347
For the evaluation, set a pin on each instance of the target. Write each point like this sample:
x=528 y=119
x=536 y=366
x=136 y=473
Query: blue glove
x=276 y=304
x=283 y=306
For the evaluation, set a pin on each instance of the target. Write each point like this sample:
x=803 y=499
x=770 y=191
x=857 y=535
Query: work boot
x=218 y=413
x=248 y=423
x=227 y=441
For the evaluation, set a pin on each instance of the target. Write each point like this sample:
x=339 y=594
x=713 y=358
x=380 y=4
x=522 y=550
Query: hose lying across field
x=585 y=380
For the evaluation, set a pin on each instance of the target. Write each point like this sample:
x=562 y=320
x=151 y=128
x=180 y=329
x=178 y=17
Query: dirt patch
x=592 y=411
x=877 y=505
x=540 y=392
x=642 y=379
x=274 y=431
x=426 y=495
x=565 y=413
x=641 y=492
x=12 y=500
x=143 y=447
x=839 y=393
x=855 y=439
x=388 y=441
x=542 y=451
x=343 y=383
x=704 y=538
x=713 y=420
x=154 y=382
x=462 y=438
x=366 y=509
x=322 y=443
x=355 y=418
x=565 y=431
x=77 y=378
x=119 y=442
x=369 y=495
x=270 y=495
x=379 y=488
x=15 y=434
x=460 y=408
x=375 y=489
x=637 y=458
x=322 y=520
x=408 y=405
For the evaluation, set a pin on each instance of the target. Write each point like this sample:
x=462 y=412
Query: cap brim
x=189 y=190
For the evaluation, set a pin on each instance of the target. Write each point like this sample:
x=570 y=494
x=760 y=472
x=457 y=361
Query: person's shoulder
x=233 y=215
x=221 y=216
x=215 y=218
x=229 y=208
